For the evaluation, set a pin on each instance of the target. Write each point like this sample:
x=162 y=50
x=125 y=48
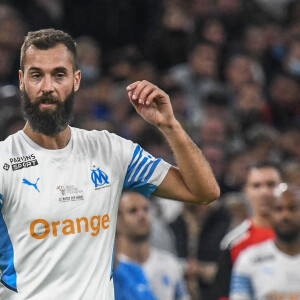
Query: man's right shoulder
x=7 y=146
x=235 y=235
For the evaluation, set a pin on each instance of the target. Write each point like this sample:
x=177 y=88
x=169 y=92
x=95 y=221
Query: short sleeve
x=241 y=287
x=145 y=172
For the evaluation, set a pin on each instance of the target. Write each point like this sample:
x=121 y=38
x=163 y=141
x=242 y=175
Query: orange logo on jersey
x=40 y=228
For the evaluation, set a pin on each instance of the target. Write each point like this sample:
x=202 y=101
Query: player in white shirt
x=162 y=269
x=166 y=275
x=271 y=270
x=60 y=186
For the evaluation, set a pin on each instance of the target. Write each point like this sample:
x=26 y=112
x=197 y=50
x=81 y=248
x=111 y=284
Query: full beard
x=288 y=237
x=48 y=122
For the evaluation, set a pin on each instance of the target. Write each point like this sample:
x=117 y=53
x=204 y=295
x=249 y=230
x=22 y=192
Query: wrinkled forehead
x=130 y=200
x=263 y=174
x=57 y=56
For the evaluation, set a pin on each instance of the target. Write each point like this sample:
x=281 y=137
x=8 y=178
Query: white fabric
x=165 y=275
x=58 y=211
x=263 y=272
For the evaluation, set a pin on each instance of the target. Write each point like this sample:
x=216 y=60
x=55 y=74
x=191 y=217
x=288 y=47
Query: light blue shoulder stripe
x=241 y=284
x=140 y=170
x=135 y=158
x=8 y=276
x=154 y=165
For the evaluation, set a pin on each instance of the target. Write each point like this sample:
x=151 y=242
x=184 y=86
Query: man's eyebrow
x=32 y=69
x=58 y=69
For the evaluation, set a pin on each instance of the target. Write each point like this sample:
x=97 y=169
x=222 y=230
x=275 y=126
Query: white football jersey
x=58 y=211
x=165 y=274
x=263 y=272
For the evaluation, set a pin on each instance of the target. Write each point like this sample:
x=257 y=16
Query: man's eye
x=60 y=75
x=35 y=75
x=132 y=210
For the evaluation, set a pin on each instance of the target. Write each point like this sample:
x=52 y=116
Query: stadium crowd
x=232 y=70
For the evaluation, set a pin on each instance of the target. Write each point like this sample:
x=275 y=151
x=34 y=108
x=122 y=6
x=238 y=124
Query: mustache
x=47 y=99
x=286 y=222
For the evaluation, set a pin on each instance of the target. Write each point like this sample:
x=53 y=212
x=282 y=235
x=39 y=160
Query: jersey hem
x=8 y=286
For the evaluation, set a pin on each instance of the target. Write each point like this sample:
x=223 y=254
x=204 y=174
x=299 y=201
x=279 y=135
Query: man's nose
x=48 y=85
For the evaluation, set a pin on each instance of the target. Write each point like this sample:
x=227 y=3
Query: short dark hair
x=46 y=39
x=263 y=164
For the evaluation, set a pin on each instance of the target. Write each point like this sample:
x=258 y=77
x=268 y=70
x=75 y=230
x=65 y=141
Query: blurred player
x=162 y=269
x=262 y=178
x=271 y=270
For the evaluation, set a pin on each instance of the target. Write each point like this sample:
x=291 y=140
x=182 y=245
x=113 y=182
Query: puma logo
x=25 y=181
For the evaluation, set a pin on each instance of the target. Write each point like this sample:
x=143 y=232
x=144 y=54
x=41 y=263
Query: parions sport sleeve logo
x=20 y=162
x=99 y=178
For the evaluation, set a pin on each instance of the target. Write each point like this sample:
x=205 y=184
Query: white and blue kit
x=263 y=272
x=58 y=211
x=165 y=274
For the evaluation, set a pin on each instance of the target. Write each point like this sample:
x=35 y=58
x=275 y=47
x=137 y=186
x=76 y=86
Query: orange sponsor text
x=40 y=228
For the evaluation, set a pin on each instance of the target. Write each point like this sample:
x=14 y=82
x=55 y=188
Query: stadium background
x=231 y=67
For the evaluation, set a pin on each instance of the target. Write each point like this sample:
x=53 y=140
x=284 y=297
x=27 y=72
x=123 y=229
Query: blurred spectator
x=161 y=236
x=262 y=178
x=291 y=61
x=262 y=142
x=152 y=139
x=42 y=13
x=201 y=9
x=290 y=144
x=215 y=155
x=237 y=164
x=168 y=44
x=275 y=39
x=6 y=64
x=293 y=11
x=216 y=104
x=198 y=76
x=89 y=59
x=238 y=207
x=12 y=31
x=12 y=27
x=254 y=42
x=94 y=100
x=271 y=270
x=291 y=171
x=198 y=231
x=162 y=269
x=277 y=9
x=10 y=111
x=234 y=17
x=242 y=69
x=14 y=124
x=213 y=31
x=214 y=131
x=250 y=106
x=284 y=104
x=114 y=24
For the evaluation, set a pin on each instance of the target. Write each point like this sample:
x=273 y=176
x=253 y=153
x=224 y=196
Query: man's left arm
x=192 y=180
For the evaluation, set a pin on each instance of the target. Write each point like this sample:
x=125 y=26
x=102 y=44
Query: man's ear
x=77 y=78
x=21 y=80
